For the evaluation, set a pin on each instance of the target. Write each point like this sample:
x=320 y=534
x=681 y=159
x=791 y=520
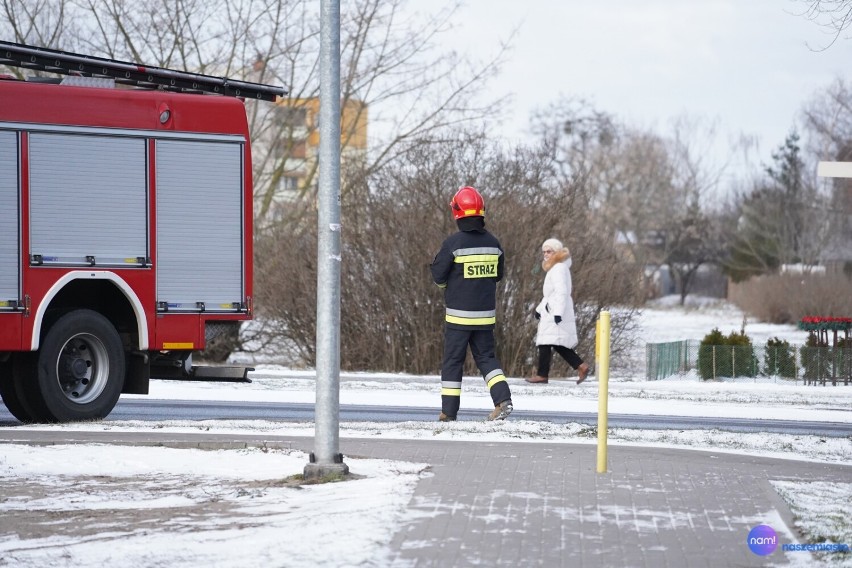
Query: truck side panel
x=200 y=239
x=90 y=178
x=10 y=245
x=179 y=332
x=88 y=200
x=45 y=283
x=10 y=331
x=36 y=103
x=9 y=222
x=125 y=229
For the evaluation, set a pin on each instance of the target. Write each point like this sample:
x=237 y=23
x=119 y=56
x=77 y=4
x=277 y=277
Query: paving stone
x=542 y=504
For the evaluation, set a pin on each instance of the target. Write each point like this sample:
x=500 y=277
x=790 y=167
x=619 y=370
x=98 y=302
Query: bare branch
x=834 y=15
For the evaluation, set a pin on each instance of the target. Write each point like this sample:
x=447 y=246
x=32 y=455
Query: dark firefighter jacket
x=468 y=267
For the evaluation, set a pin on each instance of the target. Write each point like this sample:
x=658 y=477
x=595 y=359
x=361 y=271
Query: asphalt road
x=154 y=410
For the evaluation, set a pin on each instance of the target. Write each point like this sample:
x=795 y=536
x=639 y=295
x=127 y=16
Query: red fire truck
x=125 y=227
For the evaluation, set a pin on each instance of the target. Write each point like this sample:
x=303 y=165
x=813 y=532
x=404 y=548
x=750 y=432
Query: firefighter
x=468 y=267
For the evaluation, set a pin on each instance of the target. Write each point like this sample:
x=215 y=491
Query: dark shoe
x=582 y=372
x=444 y=418
x=501 y=411
x=537 y=379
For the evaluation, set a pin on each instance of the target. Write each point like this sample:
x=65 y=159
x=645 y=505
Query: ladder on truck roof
x=55 y=61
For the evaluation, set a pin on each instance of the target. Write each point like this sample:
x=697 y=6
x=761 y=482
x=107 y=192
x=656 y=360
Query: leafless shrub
x=285 y=283
x=394 y=221
x=786 y=298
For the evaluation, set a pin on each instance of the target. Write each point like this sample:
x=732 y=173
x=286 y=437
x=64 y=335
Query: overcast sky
x=749 y=64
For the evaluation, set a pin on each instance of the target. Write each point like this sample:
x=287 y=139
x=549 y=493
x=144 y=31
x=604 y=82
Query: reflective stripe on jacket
x=468 y=267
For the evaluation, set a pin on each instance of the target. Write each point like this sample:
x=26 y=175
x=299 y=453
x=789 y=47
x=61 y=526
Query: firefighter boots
x=501 y=411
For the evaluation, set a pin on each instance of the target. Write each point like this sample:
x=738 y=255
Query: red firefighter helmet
x=467 y=203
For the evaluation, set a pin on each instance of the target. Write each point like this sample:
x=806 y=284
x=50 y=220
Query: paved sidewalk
x=531 y=504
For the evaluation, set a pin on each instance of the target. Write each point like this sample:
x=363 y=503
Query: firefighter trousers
x=481 y=343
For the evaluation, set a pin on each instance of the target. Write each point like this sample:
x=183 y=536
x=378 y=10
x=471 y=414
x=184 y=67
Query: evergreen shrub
x=726 y=356
x=707 y=354
x=779 y=359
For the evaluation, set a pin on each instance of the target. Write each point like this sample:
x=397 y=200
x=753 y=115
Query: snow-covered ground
x=666 y=320
x=374 y=505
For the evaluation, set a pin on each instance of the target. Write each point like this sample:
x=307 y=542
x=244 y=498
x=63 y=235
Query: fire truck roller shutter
x=9 y=254
x=9 y=224
x=88 y=198
x=200 y=225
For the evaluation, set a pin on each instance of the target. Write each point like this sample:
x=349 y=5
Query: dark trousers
x=545 y=354
x=481 y=343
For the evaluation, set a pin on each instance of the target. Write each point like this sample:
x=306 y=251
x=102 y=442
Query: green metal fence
x=786 y=364
x=663 y=360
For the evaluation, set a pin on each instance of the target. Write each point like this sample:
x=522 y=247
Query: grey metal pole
x=326 y=459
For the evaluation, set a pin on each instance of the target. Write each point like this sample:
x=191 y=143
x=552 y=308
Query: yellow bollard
x=602 y=364
x=598 y=340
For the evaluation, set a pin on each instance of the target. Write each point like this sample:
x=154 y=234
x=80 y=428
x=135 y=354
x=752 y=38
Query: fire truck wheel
x=80 y=369
x=10 y=395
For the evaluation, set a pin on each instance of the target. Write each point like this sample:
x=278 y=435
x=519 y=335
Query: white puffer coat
x=557 y=301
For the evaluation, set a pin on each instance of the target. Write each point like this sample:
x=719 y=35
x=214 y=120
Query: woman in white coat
x=557 y=329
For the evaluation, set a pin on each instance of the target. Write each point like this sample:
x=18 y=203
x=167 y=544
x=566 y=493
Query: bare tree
x=647 y=190
x=393 y=65
x=827 y=122
x=697 y=239
x=42 y=22
x=828 y=127
x=691 y=226
x=834 y=15
x=395 y=219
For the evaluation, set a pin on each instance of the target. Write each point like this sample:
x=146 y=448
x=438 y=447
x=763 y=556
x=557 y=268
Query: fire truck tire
x=79 y=370
x=9 y=394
